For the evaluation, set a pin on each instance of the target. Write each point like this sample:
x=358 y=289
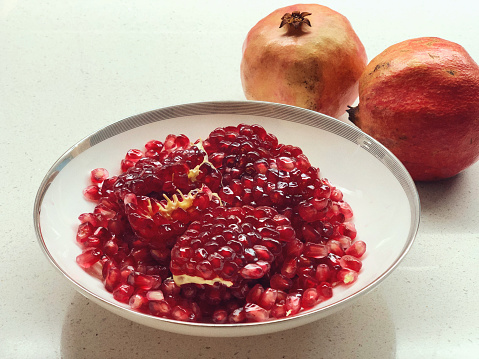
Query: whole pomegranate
x=305 y=55
x=420 y=99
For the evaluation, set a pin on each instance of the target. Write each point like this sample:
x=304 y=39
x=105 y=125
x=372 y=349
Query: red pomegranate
x=305 y=55
x=420 y=98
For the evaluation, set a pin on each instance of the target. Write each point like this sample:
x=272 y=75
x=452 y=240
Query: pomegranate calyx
x=295 y=20
x=353 y=113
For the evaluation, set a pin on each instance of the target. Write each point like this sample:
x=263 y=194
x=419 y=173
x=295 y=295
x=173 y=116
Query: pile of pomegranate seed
x=237 y=228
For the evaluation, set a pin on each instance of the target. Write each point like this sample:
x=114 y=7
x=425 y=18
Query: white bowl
x=376 y=185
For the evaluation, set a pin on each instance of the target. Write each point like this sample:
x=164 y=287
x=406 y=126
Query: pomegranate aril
x=154 y=145
x=126 y=165
x=310 y=298
x=134 y=155
x=138 y=301
x=123 y=293
x=111 y=276
x=315 y=250
x=350 y=262
x=88 y=257
x=84 y=231
x=220 y=316
x=160 y=308
x=293 y=304
x=348 y=229
x=289 y=267
x=325 y=290
x=323 y=273
x=357 y=249
x=255 y=293
x=181 y=313
x=294 y=248
x=335 y=247
x=92 y=193
x=98 y=175
x=255 y=313
x=237 y=316
x=347 y=276
x=280 y=282
x=278 y=311
x=268 y=298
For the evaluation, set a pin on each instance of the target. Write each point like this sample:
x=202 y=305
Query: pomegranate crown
x=295 y=19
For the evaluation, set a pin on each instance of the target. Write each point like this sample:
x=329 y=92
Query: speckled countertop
x=68 y=68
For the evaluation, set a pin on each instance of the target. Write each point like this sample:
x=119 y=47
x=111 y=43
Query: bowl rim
x=256 y=108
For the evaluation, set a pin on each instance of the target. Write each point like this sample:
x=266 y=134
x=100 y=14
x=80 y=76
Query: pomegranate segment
x=237 y=228
x=230 y=247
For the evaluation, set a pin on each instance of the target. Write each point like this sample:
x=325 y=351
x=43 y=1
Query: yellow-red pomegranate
x=420 y=98
x=305 y=55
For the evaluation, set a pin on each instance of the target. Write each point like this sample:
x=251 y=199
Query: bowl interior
x=374 y=183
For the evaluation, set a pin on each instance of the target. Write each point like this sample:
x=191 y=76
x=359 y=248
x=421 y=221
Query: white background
x=68 y=68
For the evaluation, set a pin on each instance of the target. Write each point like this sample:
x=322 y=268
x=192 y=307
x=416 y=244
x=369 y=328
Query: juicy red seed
x=285 y=164
x=123 y=293
x=286 y=233
x=252 y=271
x=315 y=250
x=263 y=253
x=170 y=142
x=293 y=304
x=160 y=308
x=138 y=301
x=134 y=155
x=357 y=249
x=220 y=316
x=289 y=267
x=255 y=293
x=126 y=164
x=169 y=287
x=323 y=272
x=182 y=141
x=348 y=229
x=280 y=282
x=305 y=281
x=254 y=313
x=89 y=257
x=154 y=145
x=295 y=248
x=278 y=311
x=346 y=210
x=347 y=276
x=336 y=195
x=92 y=193
x=335 y=247
x=268 y=298
x=98 y=175
x=310 y=298
x=182 y=313
x=155 y=295
x=237 y=316
x=350 y=262
x=110 y=247
x=325 y=290
x=84 y=231
x=111 y=277
x=143 y=281
x=307 y=211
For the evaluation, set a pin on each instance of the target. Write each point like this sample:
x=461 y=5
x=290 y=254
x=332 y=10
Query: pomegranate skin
x=315 y=67
x=420 y=99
